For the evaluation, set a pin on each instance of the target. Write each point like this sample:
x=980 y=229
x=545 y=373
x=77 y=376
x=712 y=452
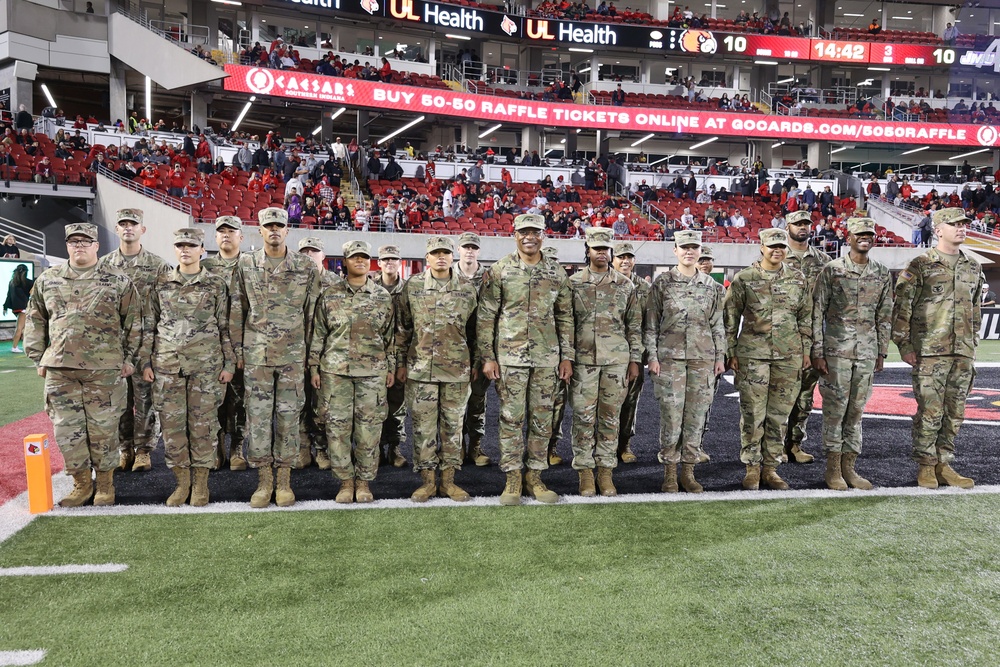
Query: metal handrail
x=177 y=31
x=35 y=240
x=139 y=15
x=156 y=195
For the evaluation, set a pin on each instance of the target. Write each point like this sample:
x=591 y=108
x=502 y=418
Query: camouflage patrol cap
x=860 y=225
x=549 y=251
x=624 y=249
x=773 y=237
x=83 y=229
x=352 y=248
x=133 y=214
x=273 y=215
x=189 y=236
x=687 y=237
x=388 y=252
x=440 y=243
x=310 y=242
x=706 y=253
x=228 y=221
x=949 y=216
x=598 y=237
x=528 y=221
x=468 y=238
x=799 y=218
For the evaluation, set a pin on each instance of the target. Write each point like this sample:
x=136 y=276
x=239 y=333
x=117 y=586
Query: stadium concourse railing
x=28 y=239
x=170 y=30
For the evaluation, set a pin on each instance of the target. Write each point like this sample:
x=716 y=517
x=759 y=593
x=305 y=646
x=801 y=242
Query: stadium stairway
x=162 y=60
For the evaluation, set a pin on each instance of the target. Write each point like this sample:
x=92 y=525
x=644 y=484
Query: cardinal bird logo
x=370 y=6
x=698 y=41
x=508 y=26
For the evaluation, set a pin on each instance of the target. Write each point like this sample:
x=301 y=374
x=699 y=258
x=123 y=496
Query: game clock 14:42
x=842 y=52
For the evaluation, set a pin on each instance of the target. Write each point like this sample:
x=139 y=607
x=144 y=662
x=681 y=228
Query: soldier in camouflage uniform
x=434 y=322
x=273 y=294
x=525 y=340
x=83 y=332
x=624 y=263
x=706 y=264
x=562 y=393
x=852 y=311
x=474 y=426
x=190 y=364
x=311 y=430
x=687 y=343
x=394 y=429
x=140 y=429
x=352 y=362
x=810 y=260
x=232 y=412
x=608 y=337
x=936 y=322
x=768 y=354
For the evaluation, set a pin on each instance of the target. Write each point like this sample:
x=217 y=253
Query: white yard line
x=21 y=657
x=50 y=570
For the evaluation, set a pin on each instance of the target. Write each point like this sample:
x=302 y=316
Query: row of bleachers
x=659 y=101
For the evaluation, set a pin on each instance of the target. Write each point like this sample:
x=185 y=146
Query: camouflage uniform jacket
x=190 y=325
x=684 y=317
x=354 y=330
x=271 y=312
x=433 y=326
x=607 y=317
x=476 y=278
x=642 y=290
x=395 y=291
x=810 y=265
x=221 y=266
x=89 y=323
x=143 y=270
x=937 y=312
x=852 y=310
x=525 y=314
x=776 y=313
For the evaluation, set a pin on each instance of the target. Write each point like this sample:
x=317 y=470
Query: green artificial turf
x=20 y=386
x=872 y=581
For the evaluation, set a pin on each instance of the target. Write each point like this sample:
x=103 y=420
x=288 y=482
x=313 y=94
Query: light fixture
x=780 y=143
x=486 y=133
x=703 y=143
x=902 y=18
x=235 y=3
x=879 y=69
x=48 y=96
x=415 y=121
x=915 y=150
x=837 y=150
x=562 y=141
x=317 y=130
x=659 y=161
x=149 y=100
x=645 y=138
x=862 y=164
x=788 y=80
x=451 y=36
x=575 y=50
x=584 y=70
x=239 y=119
x=855 y=15
x=336 y=114
x=765 y=62
x=959 y=157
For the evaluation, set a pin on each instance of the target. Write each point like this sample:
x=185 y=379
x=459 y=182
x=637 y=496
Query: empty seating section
x=657 y=101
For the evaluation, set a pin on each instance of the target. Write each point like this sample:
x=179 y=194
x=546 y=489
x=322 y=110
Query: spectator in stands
x=620 y=227
x=950 y=34
x=778 y=221
x=989 y=297
x=809 y=197
x=243 y=157
x=873 y=188
x=393 y=172
x=175 y=182
x=874 y=28
x=618 y=96
x=737 y=220
x=687 y=219
x=44 y=172
x=23 y=120
x=892 y=189
x=192 y=189
x=9 y=248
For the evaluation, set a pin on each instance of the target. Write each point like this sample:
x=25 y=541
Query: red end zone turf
x=12 y=477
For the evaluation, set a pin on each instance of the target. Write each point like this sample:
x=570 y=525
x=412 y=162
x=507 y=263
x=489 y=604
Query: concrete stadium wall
x=160 y=219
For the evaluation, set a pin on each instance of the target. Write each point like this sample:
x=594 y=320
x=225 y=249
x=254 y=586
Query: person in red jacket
x=202 y=150
x=176 y=182
x=229 y=176
x=256 y=183
x=148 y=177
x=507 y=179
x=385 y=72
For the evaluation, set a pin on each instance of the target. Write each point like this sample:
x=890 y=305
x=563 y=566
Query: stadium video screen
x=7 y=267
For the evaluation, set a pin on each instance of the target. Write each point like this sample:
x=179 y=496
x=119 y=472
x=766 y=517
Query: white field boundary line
x=55 y=570
x=22 y=657
x=14 y=514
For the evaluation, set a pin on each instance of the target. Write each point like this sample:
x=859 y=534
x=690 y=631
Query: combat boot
x=688 y=481
x=183 y=490
x=604 y=483
x=346 y=493
x=142 y=462
x=834 y=477
x=236 y=460
x=794 y=452
x=449 y=489
x=669 y=478
x=283 y=496
x=265 y=487
x=537 y=488
x=126 y=459
x=947 y=475
x=398 y=460
x=105 y=489
x=323 y=459
x=587 y=488
x=83 y=489
x=852 y=478
x=926 y=477
x=769 y=475
x=477 y=456
x=362 y=493
x=751 y=482
x=199 y=488
x=627 y=455
x=426 y=490
x=554 y=458
x=305 y=458
x=512 y=491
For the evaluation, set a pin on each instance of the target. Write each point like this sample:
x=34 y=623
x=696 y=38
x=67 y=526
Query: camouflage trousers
x=85 y=408
x=526 y=391
x=139 y=427
x=684 y=390
x=354 y=409
x=767 y=393
x=558 y=412
x=626 y=419
x=798 y=419
x=596 y=394
x=275 y=396
x=437 y=410
x=845 y=389
x=311 y=428
x=233 y=413
x=394 y=426
x=474 y=425
x=940 y=385
x=188 y=408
